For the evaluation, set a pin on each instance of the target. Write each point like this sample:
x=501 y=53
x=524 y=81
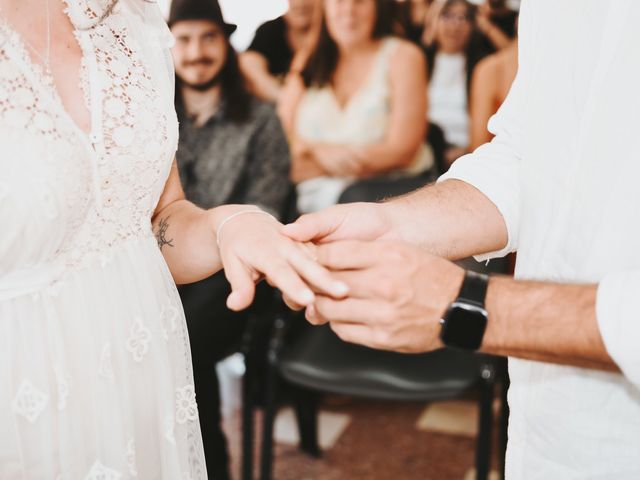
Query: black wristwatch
x=465 y=321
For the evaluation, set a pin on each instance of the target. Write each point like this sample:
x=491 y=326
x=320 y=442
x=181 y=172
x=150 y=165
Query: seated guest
x=422 y=17
x=357 y=108
x=496 y=23
x=490 y=84
x=415 y=19
x=232 y=149
x=451 y=60
x=267 y=60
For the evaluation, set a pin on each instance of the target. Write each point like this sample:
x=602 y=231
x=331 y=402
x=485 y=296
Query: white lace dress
x=95 y=368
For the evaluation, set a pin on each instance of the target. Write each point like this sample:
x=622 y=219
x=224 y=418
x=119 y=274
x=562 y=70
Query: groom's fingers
x=312 y=227
x=349 y=255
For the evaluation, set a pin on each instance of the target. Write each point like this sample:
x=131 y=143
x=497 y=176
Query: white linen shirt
x=563 y=170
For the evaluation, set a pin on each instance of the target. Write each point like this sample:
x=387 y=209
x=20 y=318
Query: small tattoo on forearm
x=161 y=234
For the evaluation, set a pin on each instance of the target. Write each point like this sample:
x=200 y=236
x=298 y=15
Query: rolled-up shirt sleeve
x=617 y=314
x=494 y=168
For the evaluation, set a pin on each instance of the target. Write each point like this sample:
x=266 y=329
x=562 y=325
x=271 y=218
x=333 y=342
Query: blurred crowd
x=332 y=96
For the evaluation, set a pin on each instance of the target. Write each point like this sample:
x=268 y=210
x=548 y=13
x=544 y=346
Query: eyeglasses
x=452 y=17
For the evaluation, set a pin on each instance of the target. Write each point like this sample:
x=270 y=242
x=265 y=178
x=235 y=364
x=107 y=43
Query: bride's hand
x=252 y=246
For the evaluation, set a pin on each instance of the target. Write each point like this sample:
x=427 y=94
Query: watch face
x=464 y=327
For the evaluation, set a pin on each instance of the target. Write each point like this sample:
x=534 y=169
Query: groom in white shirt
x=559 y=185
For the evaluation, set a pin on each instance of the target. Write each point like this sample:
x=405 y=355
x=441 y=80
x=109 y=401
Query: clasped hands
x=351 y=269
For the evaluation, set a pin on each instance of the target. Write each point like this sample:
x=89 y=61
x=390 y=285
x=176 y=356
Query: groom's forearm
x=546 y=322
x=451 y=219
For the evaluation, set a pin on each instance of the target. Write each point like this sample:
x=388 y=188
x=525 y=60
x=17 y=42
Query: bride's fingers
x=316 y=276
x=291 y=304
x=242 y=284
x=282 y=275
x=276 y=268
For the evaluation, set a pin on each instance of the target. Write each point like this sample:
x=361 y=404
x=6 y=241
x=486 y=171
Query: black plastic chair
x=380 y=188
x=435 y=138
x=318 y=361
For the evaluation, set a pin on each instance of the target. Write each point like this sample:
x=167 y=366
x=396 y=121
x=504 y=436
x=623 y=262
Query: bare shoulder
x=487 y=68
x=407 y=54
x=408 y=73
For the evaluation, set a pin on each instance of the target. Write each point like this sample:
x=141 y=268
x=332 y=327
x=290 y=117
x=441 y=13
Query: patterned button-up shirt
x=225 y=162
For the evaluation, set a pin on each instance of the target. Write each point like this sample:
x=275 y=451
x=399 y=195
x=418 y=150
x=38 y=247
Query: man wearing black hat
x=232 y=149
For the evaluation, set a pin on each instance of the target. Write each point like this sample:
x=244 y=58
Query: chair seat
x=319 y=360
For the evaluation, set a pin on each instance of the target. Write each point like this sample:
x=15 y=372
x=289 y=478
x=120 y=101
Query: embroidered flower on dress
x=100 y=472
x=63 y=387
x=105 y=369
x=169 y=320
x=169 y=432
x=139 y=339
x=29 y=401
x=186 y=408
x=131 y=458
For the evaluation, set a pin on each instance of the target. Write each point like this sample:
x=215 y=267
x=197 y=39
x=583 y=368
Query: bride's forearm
x=186 y=237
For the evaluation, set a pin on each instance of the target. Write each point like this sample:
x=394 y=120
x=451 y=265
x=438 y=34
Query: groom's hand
x=354 y=221
x=397 y=294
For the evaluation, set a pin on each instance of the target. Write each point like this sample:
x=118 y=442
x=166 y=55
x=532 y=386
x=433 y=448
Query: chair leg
x=248 y=409
x=270 y=406
x=266 y=465
x=485 y=430
x=504 y=422
x=306 y=408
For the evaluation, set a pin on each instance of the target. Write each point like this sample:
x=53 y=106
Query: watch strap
x=474 y=288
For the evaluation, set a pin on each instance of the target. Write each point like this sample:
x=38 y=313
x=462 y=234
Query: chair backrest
x=381 y=188
x=435 y=138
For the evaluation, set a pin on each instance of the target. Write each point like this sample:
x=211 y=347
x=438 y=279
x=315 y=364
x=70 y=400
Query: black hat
x=199 y=10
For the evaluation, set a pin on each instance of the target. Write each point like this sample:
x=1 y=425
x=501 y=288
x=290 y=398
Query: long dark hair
x=234 y=93
x=472 y=53
x=323 y=60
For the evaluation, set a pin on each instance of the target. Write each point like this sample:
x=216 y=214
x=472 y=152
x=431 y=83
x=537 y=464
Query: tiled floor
x=377 y=441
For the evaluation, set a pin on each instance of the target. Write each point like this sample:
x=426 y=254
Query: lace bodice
x=73 y=195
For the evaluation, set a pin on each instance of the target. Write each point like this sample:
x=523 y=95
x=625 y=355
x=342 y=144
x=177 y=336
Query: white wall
x=247 y=14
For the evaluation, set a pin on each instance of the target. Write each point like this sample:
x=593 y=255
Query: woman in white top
x=94 y=353
x=450 y=65
x=357 y=107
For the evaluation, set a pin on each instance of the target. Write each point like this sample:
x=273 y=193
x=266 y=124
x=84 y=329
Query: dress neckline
x=362 y=88
x=44 y=81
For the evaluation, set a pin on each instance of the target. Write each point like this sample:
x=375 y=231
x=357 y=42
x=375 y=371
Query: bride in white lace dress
x=95 y=366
